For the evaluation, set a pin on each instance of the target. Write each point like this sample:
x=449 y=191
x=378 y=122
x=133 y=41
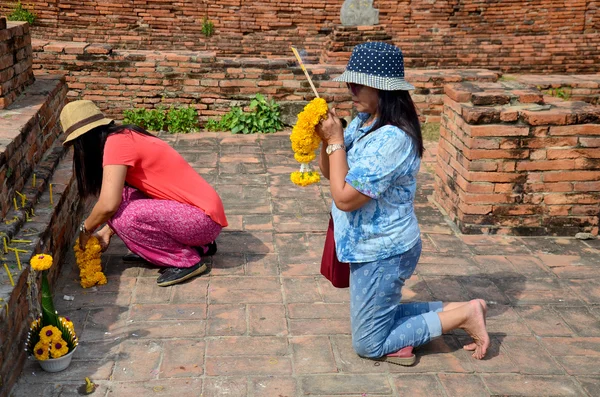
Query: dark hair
x=88 y=154
x=398 y=109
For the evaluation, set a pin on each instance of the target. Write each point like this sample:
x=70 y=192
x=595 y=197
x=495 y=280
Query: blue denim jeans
x=380 y=323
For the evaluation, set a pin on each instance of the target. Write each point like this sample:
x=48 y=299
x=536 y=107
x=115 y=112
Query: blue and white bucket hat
x=377 y=65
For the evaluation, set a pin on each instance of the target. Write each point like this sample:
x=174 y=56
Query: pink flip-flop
x=403 y=357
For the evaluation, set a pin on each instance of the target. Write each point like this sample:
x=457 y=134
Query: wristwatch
x=82 y=228
x=332 y=148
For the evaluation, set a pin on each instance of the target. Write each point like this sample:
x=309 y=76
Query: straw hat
x=79 y=117
x=377 y=65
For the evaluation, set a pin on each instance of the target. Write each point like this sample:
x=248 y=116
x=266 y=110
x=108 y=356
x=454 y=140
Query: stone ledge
x=30 y=127
x=575 y=87
x=47 y=227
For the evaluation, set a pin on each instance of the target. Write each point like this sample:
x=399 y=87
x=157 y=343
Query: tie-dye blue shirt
x=384 y=166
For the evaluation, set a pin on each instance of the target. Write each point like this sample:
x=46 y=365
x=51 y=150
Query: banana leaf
x=49 y=316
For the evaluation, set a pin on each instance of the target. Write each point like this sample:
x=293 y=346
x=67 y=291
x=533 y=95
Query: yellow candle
x=9 y=275
x=18 y=259
x=23 y=198
x=34 y=180
x=5 y=246
x=15 y=203
x=51 y=200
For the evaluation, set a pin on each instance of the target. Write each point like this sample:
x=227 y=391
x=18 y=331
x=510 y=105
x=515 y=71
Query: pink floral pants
x=164 y=232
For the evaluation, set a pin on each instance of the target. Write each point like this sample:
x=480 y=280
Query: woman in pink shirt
x=162 y=209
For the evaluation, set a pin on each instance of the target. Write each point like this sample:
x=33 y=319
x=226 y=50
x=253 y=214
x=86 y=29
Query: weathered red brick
x=578 y=129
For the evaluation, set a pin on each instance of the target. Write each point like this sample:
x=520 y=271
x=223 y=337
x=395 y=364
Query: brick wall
x=49 y=227
x=342 y=39
x=27 y=132
x=119 y=79
x=584 y=88
x=15 y=60
x=512 y=161
x=509 y=35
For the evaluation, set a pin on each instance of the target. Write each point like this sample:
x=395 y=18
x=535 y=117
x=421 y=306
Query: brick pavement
x=265 y=323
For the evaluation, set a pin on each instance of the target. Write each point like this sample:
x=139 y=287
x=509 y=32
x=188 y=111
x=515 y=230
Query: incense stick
x=18 y=260
x=9 y=275
x=305 y=71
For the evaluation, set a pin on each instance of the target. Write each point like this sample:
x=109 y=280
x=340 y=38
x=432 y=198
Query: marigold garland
x=305 y=141
x=90 y=265
x=41 y=262
x=305 y=178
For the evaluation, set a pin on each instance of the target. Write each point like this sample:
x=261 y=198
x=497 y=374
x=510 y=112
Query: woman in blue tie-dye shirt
x=372 y=168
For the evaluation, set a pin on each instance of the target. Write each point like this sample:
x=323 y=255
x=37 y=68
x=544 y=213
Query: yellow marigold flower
x=90 y=264
x=304 y=178
x=50 y=334
x=67 y=323
x=305 y=141
x=35 y=323
x=58 y=348
x=41 y=262
x=41 y=350
x=305 y=158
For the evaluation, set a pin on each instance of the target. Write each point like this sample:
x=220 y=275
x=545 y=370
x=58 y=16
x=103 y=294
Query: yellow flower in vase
x=41 y=350
x=67 y=323
x=58 y=348
x=50 y=334
x=41 y=262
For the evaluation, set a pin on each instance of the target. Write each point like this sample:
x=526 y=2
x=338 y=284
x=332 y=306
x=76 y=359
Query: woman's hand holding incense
x=330 y=130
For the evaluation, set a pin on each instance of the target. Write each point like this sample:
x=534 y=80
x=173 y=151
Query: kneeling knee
x=364 y=349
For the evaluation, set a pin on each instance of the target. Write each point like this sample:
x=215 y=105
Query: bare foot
x=473 y=346
x=475 y=327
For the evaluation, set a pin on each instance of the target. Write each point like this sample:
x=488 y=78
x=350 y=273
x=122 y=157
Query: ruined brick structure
x=30 y=144
x=122 y=79
x=15 y=61
x=510 y=35
x=512 y=161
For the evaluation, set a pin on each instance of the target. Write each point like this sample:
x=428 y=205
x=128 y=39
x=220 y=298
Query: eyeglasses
x=354 y=88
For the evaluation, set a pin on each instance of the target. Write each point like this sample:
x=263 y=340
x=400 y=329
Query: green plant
x=263 y=116
x=182 y=119
x=562 y=93
x=208 y=27
x=152 y=120
x=227 y=121
x=134 y=116
x=21 y=14
x=266 y=115
x=213 y=125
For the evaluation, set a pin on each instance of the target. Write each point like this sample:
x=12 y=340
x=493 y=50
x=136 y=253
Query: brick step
x=31 y=132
